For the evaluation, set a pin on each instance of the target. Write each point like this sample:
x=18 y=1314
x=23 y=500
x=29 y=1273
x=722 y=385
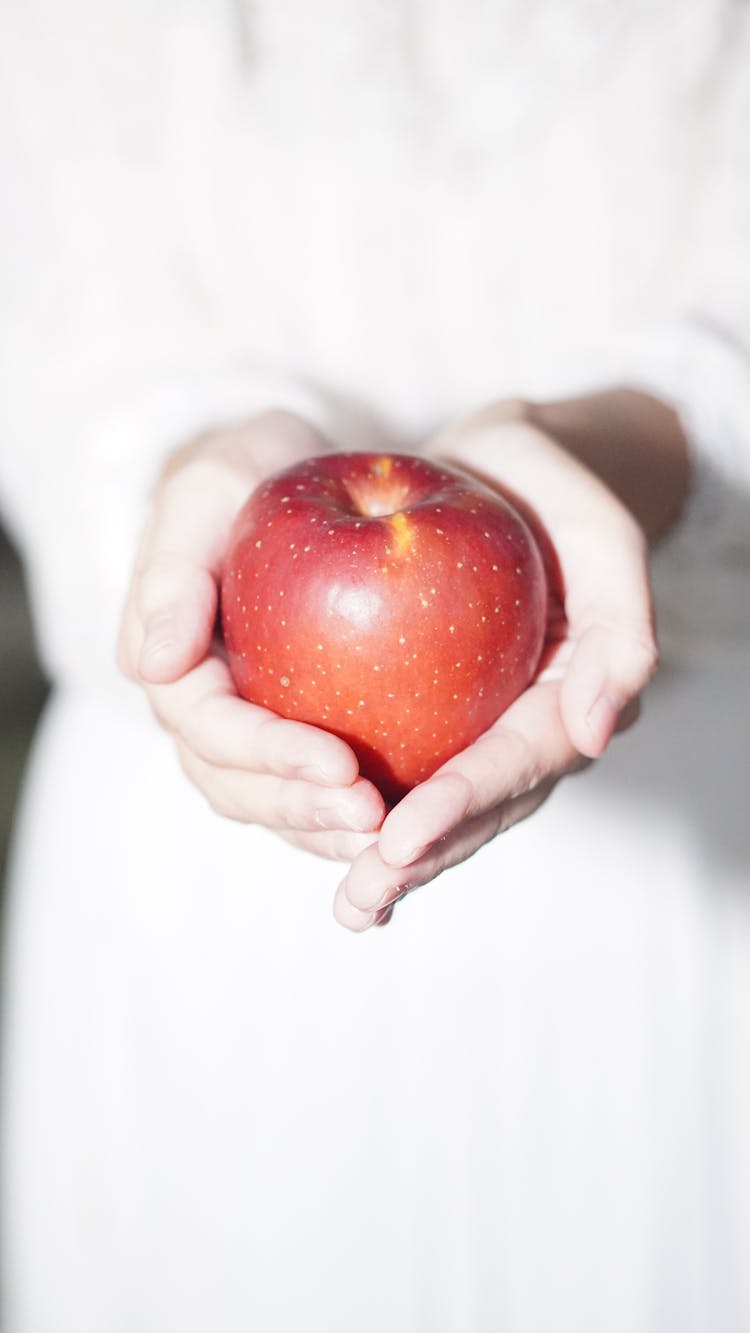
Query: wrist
x=632 y=442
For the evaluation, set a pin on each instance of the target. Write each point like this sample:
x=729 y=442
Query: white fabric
x=221 y=1110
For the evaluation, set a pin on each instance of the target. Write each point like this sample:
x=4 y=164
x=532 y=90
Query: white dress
x=222 y=1111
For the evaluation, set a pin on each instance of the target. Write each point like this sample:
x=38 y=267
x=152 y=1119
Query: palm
x=598 y=654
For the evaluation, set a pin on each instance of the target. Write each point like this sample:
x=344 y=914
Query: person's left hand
x=600 y=653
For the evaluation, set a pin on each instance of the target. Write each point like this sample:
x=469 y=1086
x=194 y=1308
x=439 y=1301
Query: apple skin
x=398 y=604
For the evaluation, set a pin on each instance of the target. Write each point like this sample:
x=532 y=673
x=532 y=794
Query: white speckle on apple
x=284 y=680
x=258 y=544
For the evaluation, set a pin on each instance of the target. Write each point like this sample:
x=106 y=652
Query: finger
x=176 y=602
x=371 y=887
x=524 y=748
x=175 y=587
x=337 y=845
x=382 y=918
x=204 y=710
x=372 y=884
x=611 y=622
x=253 y=798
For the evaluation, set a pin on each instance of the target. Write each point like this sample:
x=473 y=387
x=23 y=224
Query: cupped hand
x=250 y=764
x=600 y=653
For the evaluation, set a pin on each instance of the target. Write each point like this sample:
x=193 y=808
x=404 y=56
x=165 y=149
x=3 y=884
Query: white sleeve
x=697 y=358
x=112 y=352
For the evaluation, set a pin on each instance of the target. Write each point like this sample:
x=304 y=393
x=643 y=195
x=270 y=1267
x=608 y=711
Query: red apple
x=393 y=602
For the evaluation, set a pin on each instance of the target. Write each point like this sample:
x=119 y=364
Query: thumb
x=176 y=604
x=174 y=595
x=615 y=652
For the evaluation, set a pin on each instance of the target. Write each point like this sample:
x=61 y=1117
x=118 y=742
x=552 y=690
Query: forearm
x=634 y=443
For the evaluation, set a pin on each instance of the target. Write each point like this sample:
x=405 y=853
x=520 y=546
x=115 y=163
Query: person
x=512 y=237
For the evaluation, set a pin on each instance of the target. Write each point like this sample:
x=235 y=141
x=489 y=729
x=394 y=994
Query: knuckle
x=644 y=660
x=527 y=764
x=197 y=737
x=154 y=584
x=165 y=579
x=292 y=813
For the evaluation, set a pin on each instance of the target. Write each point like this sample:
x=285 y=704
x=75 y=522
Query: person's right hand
x=250 y=764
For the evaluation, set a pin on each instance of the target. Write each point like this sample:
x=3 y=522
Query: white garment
x=223 y=1111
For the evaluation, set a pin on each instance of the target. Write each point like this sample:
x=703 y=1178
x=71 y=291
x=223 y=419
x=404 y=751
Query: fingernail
x=407 y=856
x=348 y=916
x=343 y=816
x=317 y=773
x=602 y=719
x=369 y=899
